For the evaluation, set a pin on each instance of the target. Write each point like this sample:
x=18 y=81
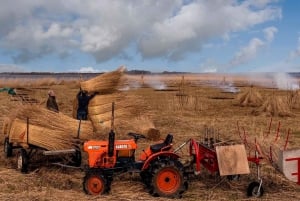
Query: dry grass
x=47 y=182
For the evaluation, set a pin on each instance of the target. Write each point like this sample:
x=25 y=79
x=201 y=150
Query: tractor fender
x=194 y=145
x=159 y=154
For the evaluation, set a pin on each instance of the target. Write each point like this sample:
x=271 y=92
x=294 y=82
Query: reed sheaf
x=274 y=106
x=125 y=107
x=46 y=129
x=105 y=83
x=250 y=97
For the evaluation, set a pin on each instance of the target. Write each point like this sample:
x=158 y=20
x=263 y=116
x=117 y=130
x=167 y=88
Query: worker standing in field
x=51 y=102
x=83 y=102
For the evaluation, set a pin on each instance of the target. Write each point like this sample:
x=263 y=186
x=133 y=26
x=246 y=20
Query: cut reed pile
x=274 y=106
x=250 y=97
x=40 y=136
x=144 y=125
x=293 y=99
x=105 y=83
x=125 y=107
x=47 y=129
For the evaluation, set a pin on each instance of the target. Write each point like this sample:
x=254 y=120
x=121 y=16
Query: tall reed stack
x=126 y=107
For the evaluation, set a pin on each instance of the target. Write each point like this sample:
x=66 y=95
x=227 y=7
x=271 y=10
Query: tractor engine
x=99 y=156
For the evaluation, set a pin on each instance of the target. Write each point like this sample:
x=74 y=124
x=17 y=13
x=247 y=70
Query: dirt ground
x=205 y=105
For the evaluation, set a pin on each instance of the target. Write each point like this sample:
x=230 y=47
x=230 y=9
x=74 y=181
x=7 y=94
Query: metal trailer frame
x=204 y=156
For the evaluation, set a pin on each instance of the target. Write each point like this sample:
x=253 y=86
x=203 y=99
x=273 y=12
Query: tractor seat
x=157 y=147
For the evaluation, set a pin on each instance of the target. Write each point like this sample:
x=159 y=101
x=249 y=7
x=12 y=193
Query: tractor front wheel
x=168 y=180
x=22 y=160
x=95 y=184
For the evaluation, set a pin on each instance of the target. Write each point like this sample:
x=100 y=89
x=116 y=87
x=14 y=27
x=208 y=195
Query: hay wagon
x=18 y=136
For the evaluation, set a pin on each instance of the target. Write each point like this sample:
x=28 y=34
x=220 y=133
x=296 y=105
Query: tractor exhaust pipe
x=111 y=143
x=111 y=136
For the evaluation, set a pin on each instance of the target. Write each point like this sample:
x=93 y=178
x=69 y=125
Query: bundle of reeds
x=105 y=83
x=144 y=125
x=125 y=107
x=250 y=97
x=49 y=130
x=39 y=136
x=274 y=106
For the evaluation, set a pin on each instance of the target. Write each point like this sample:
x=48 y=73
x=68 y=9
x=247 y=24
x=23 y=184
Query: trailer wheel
x=253 y=190
x=8 y=149
x=22 y=161
x=168 y=180
x=95 y=184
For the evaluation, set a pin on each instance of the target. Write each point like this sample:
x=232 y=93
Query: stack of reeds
x=274 y=106
x=105 y=83
x=46 y=129
x=125 y=107
x=144 y=125
x=250 y=97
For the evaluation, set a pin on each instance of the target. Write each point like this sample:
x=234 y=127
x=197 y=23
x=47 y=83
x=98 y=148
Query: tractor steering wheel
x=136 y=136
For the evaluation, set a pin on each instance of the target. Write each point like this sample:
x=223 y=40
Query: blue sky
x=155 y=35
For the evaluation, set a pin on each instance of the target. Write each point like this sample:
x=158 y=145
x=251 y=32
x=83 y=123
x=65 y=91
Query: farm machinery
x=160 y=165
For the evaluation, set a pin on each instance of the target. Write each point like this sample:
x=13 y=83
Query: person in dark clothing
x=51 y=102
x=83 y=102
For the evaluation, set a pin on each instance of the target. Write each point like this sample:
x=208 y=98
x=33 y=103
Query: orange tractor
x=159 y=167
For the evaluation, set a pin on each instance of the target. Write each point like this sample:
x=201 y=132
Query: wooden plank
x=232 y=160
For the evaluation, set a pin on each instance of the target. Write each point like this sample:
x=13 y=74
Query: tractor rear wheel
x=8 y=149
x=168 y=180
x=22 y=160
x=95 y=184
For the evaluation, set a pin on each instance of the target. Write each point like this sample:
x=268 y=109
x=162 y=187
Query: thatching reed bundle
x=48 y=127
x=144 y=125
x=105 y=83
x=39 y=136
x=125 y=107
x=292 y=98
x=251 y=98
x=274 y=106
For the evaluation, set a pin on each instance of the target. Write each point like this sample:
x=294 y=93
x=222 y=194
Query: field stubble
x=183 y=114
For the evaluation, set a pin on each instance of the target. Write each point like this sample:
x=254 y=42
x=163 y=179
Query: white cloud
x=105 y=29
x=248 y=52
x=87 y=70
x=269 y=33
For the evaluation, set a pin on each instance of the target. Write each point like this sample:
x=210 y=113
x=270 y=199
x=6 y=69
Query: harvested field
x=203 y=106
